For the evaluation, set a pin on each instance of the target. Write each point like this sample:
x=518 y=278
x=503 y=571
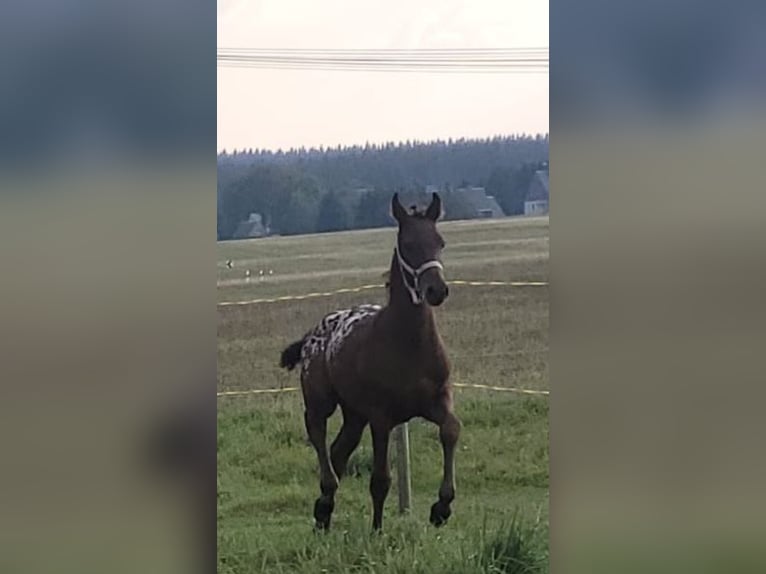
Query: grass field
x=267 y=471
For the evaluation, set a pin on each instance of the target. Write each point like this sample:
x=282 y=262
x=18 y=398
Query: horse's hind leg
x=319 y=407
x=316 y=426
x=347 y=440
x=449 y=431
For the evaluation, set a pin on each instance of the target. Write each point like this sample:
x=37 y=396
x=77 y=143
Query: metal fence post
x=404 y=483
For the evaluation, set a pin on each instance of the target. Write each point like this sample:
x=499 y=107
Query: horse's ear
x=397 y=210
x=434 y=211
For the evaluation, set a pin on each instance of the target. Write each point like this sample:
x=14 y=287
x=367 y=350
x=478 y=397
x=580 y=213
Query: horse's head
x=418 y=247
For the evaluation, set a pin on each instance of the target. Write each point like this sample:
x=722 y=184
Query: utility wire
x=388 y=51
x=482 y=60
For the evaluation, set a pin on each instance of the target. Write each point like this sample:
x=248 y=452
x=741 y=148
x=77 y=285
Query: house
x=252 y=227
x=537 y=199
x=481 y=204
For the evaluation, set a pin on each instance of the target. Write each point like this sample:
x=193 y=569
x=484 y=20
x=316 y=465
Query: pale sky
x=263 y=108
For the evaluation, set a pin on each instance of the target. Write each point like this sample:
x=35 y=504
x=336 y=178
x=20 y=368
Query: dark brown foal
x=383 y=366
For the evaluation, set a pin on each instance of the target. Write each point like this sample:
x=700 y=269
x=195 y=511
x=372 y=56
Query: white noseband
x=405 y=267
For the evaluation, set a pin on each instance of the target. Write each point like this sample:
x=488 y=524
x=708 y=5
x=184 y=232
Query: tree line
x=331 y=189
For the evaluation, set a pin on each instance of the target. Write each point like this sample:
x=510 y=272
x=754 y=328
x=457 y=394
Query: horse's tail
x=291 y=356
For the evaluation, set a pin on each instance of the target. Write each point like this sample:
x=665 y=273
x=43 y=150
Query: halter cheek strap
x=407 y=269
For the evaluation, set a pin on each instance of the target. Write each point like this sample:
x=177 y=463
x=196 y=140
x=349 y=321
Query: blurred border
x=657 y=274
x=108 y=177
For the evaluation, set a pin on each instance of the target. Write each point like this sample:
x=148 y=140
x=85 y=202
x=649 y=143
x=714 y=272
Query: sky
x=262 y=108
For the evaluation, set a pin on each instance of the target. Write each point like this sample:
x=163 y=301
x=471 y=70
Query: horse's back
x=324 y=343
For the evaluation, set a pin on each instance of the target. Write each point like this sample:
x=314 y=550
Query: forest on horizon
x=348 y=187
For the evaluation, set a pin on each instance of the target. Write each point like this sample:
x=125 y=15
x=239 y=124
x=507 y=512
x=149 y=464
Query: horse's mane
x=387 y=276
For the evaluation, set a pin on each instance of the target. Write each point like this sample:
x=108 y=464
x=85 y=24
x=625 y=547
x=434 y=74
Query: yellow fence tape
x=255 y=392
x=378 y=286
x=503 y=389
x=459 y=385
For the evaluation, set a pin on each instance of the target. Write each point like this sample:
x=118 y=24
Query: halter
x=406 y=268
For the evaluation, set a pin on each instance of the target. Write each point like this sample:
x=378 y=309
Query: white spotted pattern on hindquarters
x=330 y=333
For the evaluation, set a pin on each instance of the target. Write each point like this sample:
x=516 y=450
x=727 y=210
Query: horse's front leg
x=380 y=482
x=449 y=432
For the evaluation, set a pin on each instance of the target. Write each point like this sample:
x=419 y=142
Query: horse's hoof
x=440 y=512
x=322 y=525
x=322 y=513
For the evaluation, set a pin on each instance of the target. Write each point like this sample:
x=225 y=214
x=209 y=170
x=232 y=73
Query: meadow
x=495 y=335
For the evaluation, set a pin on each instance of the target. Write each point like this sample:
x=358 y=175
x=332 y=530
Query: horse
x=383 y=366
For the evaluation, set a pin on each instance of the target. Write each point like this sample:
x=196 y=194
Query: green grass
x=267 y=472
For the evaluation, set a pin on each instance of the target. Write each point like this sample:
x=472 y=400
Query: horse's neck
x=412 y=323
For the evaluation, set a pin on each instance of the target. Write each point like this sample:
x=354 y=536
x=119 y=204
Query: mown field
x=267 y=471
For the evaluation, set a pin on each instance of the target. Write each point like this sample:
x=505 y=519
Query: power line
x=454 y=69
x=481 y=60
x=384 y=56
x=388 y=51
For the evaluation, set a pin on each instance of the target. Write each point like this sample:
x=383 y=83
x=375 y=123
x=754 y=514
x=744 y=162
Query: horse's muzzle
x=435 y=295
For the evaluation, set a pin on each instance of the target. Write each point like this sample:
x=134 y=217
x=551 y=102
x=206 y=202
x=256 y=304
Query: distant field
x=267 y=477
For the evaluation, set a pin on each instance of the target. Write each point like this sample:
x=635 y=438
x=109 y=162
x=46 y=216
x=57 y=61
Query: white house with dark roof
x=252 y=227
x=538 y=198
x=484 y=206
